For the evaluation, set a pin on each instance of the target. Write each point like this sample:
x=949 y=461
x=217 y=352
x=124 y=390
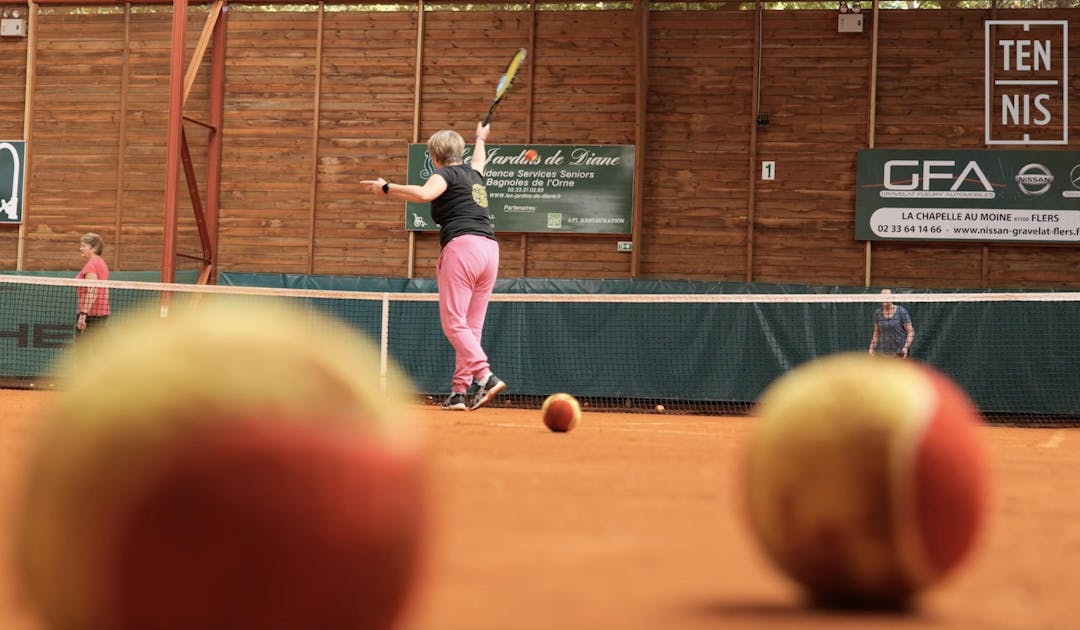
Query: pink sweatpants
x=466 y=273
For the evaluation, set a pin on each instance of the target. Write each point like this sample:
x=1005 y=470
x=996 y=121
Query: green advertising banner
x=11 y=180
x=968 y=195
x=544 y=188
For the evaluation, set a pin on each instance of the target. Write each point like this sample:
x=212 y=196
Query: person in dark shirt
x=469 y=261
x=892 y=332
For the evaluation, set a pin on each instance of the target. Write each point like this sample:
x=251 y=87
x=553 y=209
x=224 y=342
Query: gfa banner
x=11 y=180
x=968 y=195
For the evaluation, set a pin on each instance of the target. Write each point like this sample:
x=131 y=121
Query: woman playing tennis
x=469 y=261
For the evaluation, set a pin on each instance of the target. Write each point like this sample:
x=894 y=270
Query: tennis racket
x=505 y=80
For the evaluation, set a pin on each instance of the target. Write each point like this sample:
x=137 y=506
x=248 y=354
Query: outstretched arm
x=479 y=156
x=432 y=188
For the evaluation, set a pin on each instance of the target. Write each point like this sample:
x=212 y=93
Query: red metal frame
x=178 y=152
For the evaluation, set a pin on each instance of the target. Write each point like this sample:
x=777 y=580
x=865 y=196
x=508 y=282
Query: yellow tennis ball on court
x=561 y=412
x=235 y=466
x=867 y=478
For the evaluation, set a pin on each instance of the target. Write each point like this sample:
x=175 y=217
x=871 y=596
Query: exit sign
x=1027 y=82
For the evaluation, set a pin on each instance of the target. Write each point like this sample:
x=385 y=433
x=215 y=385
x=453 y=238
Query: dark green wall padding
x=1013 y=358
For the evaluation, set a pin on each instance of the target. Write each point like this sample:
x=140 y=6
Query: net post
x=384 y=340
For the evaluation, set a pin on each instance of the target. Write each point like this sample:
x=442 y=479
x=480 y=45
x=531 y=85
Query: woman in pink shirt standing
x=92 y=302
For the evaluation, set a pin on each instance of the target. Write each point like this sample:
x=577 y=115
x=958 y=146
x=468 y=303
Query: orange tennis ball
x=531 y=155
x=867 y=479
x=561 y=412
x=234 y=467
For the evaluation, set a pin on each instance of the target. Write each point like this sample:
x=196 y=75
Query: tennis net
x=1014 y=353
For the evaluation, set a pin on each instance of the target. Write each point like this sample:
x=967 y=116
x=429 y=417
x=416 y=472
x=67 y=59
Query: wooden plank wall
x=100 y=107
x=817 y=121
x=316 y=100
x=140 y=211
x=366 y=121
x=74 y=166
x=12 y=120
x=700 y=118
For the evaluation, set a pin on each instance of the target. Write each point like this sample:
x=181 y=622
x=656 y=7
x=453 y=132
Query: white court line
x=1057 y=438
x=665 y=431
x=610 y=428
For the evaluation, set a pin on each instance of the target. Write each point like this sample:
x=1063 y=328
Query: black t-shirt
x=463 y=207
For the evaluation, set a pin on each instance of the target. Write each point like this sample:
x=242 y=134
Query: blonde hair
x=446 y=146
x=94 y=241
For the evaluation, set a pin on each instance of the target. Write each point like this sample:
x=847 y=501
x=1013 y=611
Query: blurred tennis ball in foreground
x=561 y=412
x=867 y=478
x=233 y=467
x=531 y=155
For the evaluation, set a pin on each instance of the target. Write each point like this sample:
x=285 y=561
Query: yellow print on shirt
x=479 y=195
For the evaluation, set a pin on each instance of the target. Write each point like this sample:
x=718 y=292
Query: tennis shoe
x=455 y=402
x=489 y=389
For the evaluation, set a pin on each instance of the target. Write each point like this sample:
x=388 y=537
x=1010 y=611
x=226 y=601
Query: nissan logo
x=1034 y=179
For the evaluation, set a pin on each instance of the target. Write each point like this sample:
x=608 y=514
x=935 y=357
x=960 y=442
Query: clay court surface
x=634 y=521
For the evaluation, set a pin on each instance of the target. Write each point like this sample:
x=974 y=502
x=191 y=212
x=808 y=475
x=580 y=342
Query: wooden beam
x=523 y=250
x=531 y=61
x=752 y=175
x=205 y=215
x=121 y=148
x=28 y=129
x=193 y=192
x=313 y=190
x=173 y=142
x=200 y=46
x=213 y=158
x=871 y=126
x=641 y=101
x=418 y=88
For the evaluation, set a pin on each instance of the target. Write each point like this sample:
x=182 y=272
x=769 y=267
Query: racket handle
x=491 y=110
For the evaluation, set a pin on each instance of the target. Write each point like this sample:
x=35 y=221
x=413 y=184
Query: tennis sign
x=11 y=180
x=957 y=195
x=544 y=188
x=1027 y=81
